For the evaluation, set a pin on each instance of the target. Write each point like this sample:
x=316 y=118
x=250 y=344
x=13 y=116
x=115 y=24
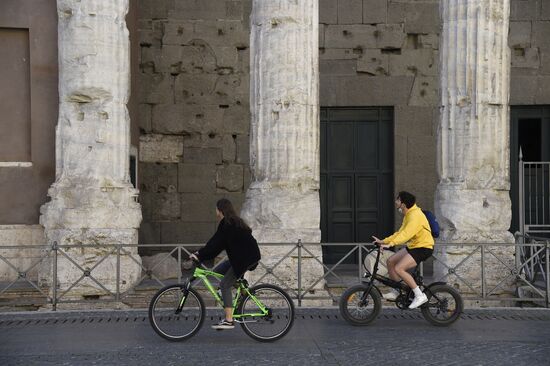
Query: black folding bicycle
x=360 y=304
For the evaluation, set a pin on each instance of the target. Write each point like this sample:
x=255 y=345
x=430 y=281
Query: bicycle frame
x=203 y=274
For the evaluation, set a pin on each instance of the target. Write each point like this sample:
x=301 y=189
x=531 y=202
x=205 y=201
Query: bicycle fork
x=185 y=291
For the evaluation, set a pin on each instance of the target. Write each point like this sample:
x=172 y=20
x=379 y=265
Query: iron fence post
x=482 y=271
x=117 y=295
x=547 y=277
x=299 y=272
x=179 y=264
x=360 y=260
x=54 y=276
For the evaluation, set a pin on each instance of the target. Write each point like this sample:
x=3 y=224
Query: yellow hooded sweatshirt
x=415 y=230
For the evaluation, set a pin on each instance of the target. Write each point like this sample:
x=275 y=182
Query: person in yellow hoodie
x=415 y=231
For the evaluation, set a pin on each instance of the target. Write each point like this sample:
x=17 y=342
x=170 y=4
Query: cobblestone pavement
x=319 y=337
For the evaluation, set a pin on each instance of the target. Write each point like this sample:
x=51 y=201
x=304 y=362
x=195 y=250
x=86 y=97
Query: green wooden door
x=356 y=176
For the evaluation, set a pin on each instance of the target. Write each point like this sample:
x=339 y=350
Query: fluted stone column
x=282 y=202
x=92 y=199
x=472 y=198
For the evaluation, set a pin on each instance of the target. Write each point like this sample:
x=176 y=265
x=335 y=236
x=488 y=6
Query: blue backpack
x=434 y=225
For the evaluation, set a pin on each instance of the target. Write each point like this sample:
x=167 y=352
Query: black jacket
x=241 y=247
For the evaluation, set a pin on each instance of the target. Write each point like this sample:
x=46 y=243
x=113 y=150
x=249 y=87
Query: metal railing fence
x=479 y=285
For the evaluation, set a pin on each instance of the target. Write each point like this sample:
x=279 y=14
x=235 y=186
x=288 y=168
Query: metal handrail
x=479 y=288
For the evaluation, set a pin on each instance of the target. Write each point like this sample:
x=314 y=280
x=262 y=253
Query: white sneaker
x=418 y=300
x=391 y=296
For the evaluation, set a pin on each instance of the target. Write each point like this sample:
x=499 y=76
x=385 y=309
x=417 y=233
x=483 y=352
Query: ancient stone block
x=544 y=62
x=523 y=90
x=338 y=67
x=158 y=90
x=350 y=11
x=520 y=35
x=222 y=33
x=543 y=91
x=321 y=36
x=160 y=148
x=158 y=178
x=234 y=10
x=196 y=178
x=178 y=32
x=165 y=207
x=195 y=88
x=414 y=121
x=162 y=266
x=202 y=155
x=424 y=91
x=350 y=36
x=397 y=12
x=20 y=258
x=422 y=18
x=155 y=9
x=198 y=207
x=144 y=117
x=373 y=90
x=243 y=149
x=389 y=36
x=328 y=11
x=229 y=149
x=524 y=9
x=373 y=62
x=423 y=62
x=236 y=119
x=149 y=233
x=230 y=177
x=375 y=11
x=340 y=53
x=545 y=11
x=526 y=58
x=227 y=58
x=540 y=37
x=199 y=9
x=187 y=232
x=180 y=118
x=201 y=140
x=428 y=41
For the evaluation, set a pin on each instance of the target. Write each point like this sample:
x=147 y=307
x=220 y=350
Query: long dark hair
x=226 y=208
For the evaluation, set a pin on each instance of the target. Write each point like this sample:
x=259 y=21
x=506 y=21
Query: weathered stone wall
x=386 y=53
x=529 y=40
x=194 y=114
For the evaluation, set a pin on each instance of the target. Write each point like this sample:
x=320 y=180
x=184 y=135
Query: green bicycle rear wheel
x=276 y=323
x=167 y=321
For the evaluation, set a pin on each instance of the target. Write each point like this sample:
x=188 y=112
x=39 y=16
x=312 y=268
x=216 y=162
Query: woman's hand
x=194 y=257
x=380 y=243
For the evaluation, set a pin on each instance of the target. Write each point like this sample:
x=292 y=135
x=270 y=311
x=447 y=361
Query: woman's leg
x=225 y=285
x=392 y=261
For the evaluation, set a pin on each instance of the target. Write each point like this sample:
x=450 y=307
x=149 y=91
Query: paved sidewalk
x=319 y=337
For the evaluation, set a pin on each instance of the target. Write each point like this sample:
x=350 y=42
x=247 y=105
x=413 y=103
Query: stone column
x=282 y=202
x=92 y=199
x=472 y=198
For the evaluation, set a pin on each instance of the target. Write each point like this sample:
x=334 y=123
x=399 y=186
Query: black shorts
x=420 y=254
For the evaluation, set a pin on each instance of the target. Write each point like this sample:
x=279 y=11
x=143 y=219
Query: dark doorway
x=530 y=132
x=356 y=176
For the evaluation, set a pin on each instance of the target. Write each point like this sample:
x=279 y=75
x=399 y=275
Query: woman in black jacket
x=235 y=237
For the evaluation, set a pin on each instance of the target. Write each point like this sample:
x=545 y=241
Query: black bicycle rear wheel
x=357 y=311
x=280 y=316
x=170 y=324
x=444 y=305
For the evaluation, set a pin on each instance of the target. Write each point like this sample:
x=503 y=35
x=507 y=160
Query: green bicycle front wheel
x=168 y=321
x=280 y=313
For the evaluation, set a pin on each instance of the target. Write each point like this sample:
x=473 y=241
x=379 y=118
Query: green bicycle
x=265 y=312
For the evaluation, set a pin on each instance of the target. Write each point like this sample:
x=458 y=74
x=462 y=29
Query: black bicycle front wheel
x=170 y=323
x=356 y=310
x=444 y=305
x=278 y=321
